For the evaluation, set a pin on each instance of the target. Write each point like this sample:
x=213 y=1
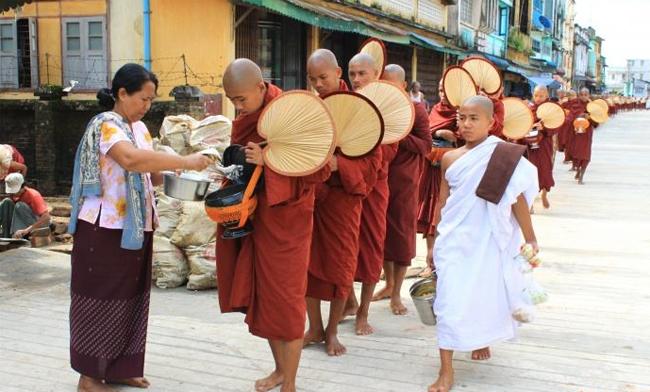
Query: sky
x=623 y=24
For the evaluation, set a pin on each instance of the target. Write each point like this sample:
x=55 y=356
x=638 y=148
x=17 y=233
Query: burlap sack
x=170 y=268
x=203 y=267
x=194 y=227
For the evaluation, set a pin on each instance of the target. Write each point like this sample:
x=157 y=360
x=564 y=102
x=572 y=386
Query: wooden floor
x=593 y=334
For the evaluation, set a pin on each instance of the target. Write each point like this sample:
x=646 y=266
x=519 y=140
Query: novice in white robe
x=476 y=240
x=477 y=288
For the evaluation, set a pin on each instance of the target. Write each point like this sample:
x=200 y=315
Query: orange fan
x=485 y=74
x=359 y=125
x=518 y=119
x=299 y=131
x=551 y=114
x=458 y=85
x=377 y=50
x=395 y=107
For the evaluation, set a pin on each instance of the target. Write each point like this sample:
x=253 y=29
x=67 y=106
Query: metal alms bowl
x=184 y=188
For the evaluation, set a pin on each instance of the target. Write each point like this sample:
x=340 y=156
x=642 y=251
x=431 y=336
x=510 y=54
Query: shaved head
x=240 y=73
x=584 y=94
x=481 y=102
x=323 y=56
x=323 y=72
x=244 y=85
x=540 y=94
x=395 y=74
x=572 y=94
x=362 y=71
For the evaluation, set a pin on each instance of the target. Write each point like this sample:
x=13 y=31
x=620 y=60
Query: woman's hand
x=254 y=154
x=196 y=162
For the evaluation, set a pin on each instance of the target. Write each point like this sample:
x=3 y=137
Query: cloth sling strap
x=500 y=168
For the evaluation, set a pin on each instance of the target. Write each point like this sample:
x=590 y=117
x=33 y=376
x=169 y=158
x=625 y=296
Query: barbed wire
x=94 y=72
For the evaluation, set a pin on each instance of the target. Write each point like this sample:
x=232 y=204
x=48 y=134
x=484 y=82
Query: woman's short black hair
x=130 y=77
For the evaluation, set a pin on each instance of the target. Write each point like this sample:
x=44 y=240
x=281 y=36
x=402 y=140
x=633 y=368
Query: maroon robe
x=337 y=217
x=581 y=151
x=372 y=232
x=265 y=273
x=403 y=184
x=499 y=116
x=575 y=109
x=441 y=117
x=542 y=157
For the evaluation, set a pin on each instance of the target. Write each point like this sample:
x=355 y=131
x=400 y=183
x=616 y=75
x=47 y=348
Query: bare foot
x=572 y=169
x=382 y=294
x=580 y=181
x=398 y=307
x=481 y=354
x=362 y=328
x=350 y=311
x=444 y=382
x=577 y=176
x=313 y=337
x=269 y=382
x=87 y=384
x=138 y=382
x=545 y=201
x=334 y=347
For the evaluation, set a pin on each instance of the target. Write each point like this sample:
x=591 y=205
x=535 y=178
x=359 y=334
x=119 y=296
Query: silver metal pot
x=424 y=304
x=184 y=188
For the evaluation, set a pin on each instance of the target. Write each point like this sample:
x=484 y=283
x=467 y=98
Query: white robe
x=476 y=241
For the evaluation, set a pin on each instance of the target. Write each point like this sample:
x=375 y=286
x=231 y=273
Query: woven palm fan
x=458 y=85
x=485 y=74
x=395 y=107
x=359 y=126
x=377 y=50
x=597 y=112
x=603 y=104
x=551 y=114
x=299 y=131
x=518 y=119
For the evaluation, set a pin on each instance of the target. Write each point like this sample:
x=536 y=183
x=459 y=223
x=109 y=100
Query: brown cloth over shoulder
x=499 y=170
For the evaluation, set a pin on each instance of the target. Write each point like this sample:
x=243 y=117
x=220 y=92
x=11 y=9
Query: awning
x=543 y=81
x=330 y=19
x=428 y=43
x=6 y=5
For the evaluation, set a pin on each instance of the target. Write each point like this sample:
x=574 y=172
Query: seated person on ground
x=23 y=211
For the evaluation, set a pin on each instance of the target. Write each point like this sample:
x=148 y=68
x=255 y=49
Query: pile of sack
x=184 y=242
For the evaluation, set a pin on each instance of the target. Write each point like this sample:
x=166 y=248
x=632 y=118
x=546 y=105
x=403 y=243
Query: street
x=592 y=335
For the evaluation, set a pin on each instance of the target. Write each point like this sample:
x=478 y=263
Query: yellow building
x=59 y=41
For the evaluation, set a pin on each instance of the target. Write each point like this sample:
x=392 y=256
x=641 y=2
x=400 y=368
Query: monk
x=403 y=182
x=372 y=232
x=582 y=141
x=265 y=273
x=562 y=133
x=442 y=122
x=499 y=113
x=540 y=153
x=571 y=107
x=475 y=240
x=337 y=216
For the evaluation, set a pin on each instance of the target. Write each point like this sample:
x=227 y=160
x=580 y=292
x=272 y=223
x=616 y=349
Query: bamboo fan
x=300 y=133
x=517 y=118
x=359 y=126
x=485 y=74
x=597 y=112
x=377 y=50
x=395 y=107
x=603 y=104
x=551 y=114
x=458 y=85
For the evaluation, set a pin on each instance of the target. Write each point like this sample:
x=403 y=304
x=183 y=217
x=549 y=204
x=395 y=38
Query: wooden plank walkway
x=593 y=335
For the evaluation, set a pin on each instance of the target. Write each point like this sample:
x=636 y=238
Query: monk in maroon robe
x=265 y=273
x=372 y=230
x=401 y=219
x=337 y=216
x=571 y=106
x=540 y=151
x=581 y=153
x=499 y=114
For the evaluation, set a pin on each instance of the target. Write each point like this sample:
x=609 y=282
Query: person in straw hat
x=271 y=262
x=337 y=215
x=403 y=176
x=476 y=237
x=11 y=161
